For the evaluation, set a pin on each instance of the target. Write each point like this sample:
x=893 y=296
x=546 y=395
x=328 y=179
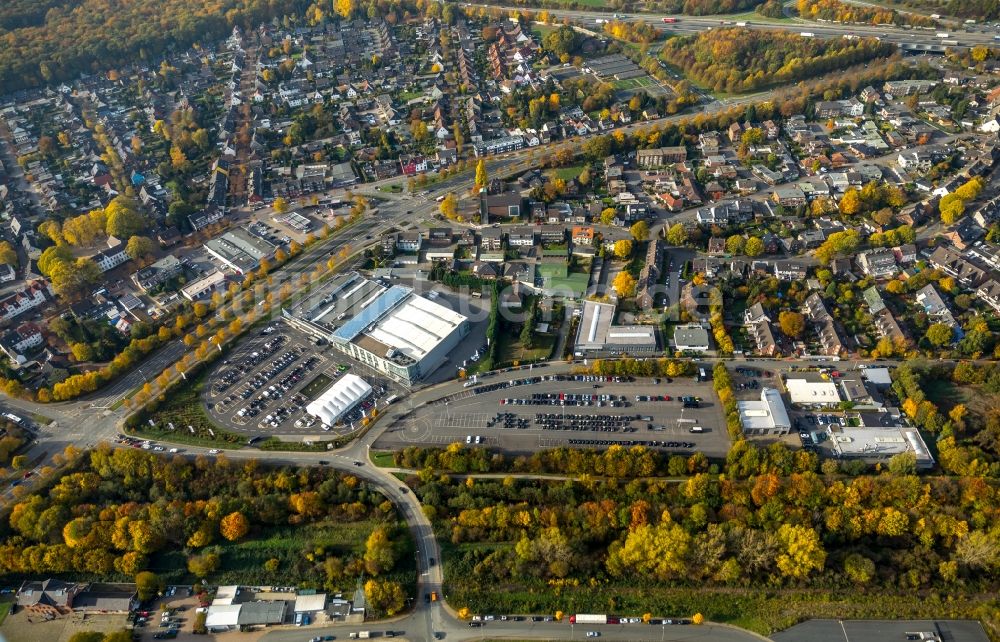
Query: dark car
x=475 y=625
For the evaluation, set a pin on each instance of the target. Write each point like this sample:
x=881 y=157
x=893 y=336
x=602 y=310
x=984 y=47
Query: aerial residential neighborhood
x=440 y=321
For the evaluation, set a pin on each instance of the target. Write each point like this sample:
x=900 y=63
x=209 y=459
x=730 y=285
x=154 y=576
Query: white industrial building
x=812 y=393
x=765 y=417
x=339 y=399
x=394 y=330
x=597 y=334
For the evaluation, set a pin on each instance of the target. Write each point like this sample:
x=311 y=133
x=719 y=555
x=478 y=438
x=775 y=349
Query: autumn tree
x=280 y=205
x=148 y=584
x=449 y=206
x=8 y=255
x=203 y=565
x=939 y=334
x=802 y=552
x=624 y=284
x=623 y=248
x=379 y=552
x=140 y=248
x=639 y=231
x=482 y=178
x=677 y=234
x=385 y=597
x=234 y=526
x=753 y=247
x=792 y=323
x=657 y=552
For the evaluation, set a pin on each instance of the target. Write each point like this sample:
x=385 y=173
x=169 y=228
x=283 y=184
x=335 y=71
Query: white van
x=696 y=429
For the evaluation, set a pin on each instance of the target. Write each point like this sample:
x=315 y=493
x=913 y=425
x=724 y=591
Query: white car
x=174 y=450
x=215 y=451
x=593 y=634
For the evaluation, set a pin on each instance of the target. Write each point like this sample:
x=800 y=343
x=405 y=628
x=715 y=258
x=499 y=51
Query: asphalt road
x=695 y=24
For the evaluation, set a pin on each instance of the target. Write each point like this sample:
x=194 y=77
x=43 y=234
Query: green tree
x=140 y=248
x=735 y=244
x=148 y=584
x=939 y=334
x=8 y=255
x=859 y=568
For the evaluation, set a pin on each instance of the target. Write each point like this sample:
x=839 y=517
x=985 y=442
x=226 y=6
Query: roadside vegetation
x=744 y=60
x=116 y=514
x=770 y=542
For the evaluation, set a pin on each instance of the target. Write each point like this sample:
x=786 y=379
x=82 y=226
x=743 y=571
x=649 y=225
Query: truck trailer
x=588 y=618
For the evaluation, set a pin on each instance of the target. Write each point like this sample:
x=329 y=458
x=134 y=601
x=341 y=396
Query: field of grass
x=5 y=610
x=511 y=349
x=316 y=387
x=382 y=459
x=751 y=16
x=293 y=546
x=566 y=173
x=183 y=408
x=763 y=610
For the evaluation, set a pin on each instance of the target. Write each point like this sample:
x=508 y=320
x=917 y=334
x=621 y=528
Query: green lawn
x=382 y=459
x=566 y=173
x=5 y=610
x=316 y=387
x=511 y=349
x=407 y=96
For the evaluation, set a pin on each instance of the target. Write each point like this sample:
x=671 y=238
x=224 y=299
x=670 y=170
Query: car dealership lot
x=545 y=411
x=263 y=387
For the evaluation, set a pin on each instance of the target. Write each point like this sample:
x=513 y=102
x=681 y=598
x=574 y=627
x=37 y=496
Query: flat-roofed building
x=597 y=333
x=765 y=417
x=812 y=393
x=397 y=332
x=240 y=251
x=203 y=286
x=691 y=337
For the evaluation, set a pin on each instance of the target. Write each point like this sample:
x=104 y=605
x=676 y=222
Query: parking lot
x=546 y=411
x=263 y=387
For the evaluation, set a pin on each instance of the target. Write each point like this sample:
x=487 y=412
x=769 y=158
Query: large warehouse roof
x=416 y=327
x=339 y=399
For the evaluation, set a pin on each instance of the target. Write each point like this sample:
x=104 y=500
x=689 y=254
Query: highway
x=696 y=24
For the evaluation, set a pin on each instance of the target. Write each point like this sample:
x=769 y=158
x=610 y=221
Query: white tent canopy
x=339 y=399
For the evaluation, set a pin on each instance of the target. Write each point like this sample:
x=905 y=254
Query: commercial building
x=691 y=337
x=158 y=273
x=203 y=286
x=240 y=251
x=339 y=399
x=597 y=333
x=812 y=393
x=660 y=156
x=765 y=417
x=395 y=331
